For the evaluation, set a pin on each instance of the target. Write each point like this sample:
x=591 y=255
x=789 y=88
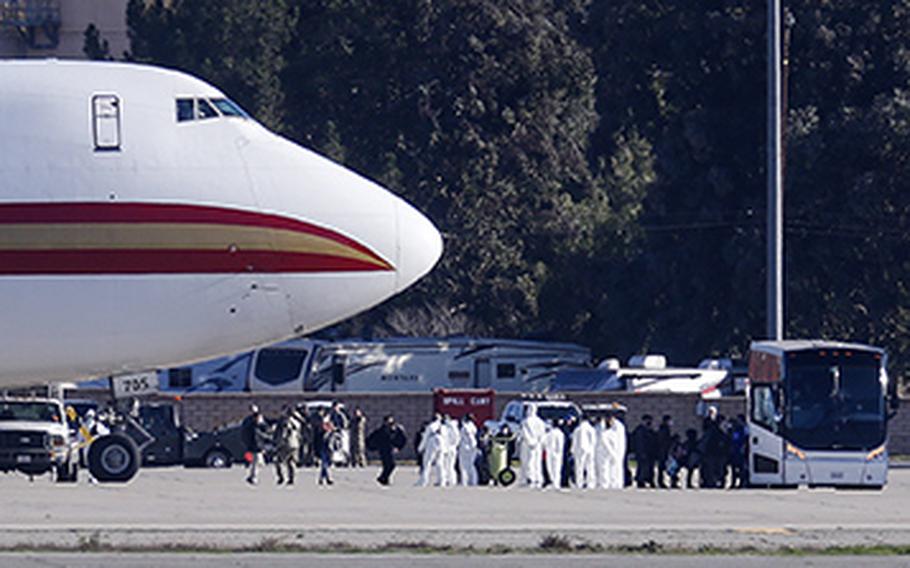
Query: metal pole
x=775 y=284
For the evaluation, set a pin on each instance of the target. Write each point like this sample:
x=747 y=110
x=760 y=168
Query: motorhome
x=423 y=364
x=644 y=373
x=386 y=365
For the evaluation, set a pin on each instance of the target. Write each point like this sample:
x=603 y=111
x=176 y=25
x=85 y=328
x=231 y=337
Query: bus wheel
x=113 y=458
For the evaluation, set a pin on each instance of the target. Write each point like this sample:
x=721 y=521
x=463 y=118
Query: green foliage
x=235 y=44
x=478 y=112
x=94 y=46
x=598 y=168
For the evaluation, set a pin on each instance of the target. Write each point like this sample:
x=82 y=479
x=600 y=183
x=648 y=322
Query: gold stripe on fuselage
x=171 y=236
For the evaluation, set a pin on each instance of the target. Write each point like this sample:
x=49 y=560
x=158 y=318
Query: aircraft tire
x=113 y=458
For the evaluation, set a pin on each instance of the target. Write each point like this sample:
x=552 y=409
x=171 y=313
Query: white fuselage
x=130 y=240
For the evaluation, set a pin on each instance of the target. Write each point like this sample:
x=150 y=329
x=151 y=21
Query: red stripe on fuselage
x=167 y=261
x=97 y=262
x=162 y=213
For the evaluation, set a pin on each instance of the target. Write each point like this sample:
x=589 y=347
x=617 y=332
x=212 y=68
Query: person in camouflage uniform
x=358 y=439
x=287 y=444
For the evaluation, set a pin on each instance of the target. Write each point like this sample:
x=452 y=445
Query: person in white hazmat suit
x=603 y=453
x=617 y=477
x=467 y=451
x=583 y=446
x=430 y=449
x=91 y=428
x=553 y=444
x=450 y=438
x=533 y=430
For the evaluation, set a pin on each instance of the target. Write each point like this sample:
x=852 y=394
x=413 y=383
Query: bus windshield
x=836 y=404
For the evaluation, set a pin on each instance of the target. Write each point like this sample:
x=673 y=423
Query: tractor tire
x=113 y=458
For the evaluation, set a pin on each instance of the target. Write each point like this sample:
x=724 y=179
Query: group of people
x=588 y=452
x=441 y=444
x=585 y=452
x=308 y=437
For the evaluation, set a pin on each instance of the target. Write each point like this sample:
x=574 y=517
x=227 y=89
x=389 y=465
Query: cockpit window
x=229 y=108
x=205 y=109
x=198 y=108
x=185 y=110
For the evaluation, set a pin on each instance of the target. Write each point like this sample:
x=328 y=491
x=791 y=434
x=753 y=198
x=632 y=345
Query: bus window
x=764 y=409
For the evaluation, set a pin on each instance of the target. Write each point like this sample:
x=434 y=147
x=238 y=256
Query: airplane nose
x=419 y=245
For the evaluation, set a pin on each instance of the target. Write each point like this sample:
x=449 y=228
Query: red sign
x=458 y=402
x=763 y=367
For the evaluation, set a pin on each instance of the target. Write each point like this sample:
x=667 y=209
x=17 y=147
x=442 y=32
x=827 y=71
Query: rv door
x=482 y=373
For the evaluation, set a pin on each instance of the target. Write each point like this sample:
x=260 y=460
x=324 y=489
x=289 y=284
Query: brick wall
x=201 y=411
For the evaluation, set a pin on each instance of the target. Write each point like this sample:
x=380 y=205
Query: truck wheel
x=67 y=472
x=506 y=477
x=113 y=458
x=218 y=458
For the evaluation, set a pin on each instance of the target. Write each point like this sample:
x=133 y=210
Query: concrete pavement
x=141 y=560
x=214 y=509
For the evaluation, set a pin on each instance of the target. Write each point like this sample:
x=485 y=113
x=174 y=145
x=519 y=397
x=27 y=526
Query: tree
x=235 y=44
x=94 y=46
x=480 y=113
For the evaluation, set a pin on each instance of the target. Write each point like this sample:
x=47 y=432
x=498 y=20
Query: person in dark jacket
x=739 y=437
x=255 y=433
x=386 y=440
x=692 y=455
x=568 y=460
x=664 y=441
x=713 y=448
x=644 y=442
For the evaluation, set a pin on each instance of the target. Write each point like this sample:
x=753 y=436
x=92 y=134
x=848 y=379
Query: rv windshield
x=276 y=366
x=836 y=404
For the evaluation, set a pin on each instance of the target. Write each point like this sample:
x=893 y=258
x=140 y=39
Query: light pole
x=775 y=236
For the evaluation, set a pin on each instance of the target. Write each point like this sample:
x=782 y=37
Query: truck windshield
x=26 y=410
x=550 y=413
x=836 y=404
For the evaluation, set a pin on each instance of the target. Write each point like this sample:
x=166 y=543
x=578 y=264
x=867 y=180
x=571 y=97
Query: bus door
x=766 y=445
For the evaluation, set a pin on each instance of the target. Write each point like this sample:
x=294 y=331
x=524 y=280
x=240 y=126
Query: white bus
x=387 y=365
x=817 y=414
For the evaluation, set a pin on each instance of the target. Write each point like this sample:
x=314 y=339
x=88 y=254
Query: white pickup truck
x=548 y=409
x=35 y=438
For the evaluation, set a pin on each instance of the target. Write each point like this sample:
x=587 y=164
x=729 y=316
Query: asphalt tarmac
x=192 y=510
